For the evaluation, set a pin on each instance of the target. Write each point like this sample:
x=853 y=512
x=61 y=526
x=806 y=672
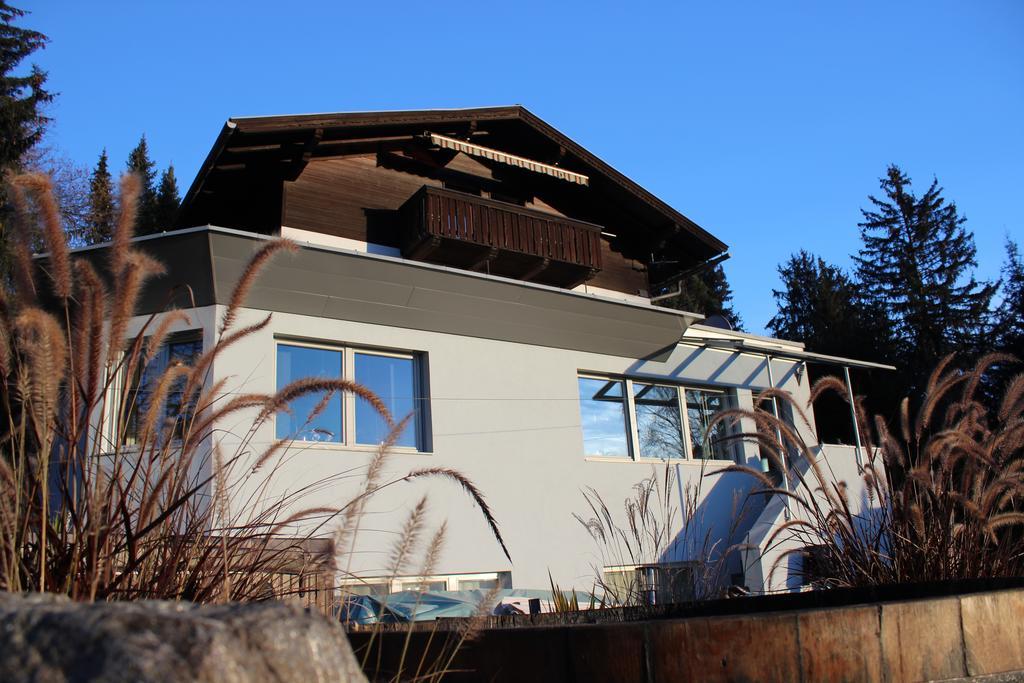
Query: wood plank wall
x=331 y=196
x=339 y=197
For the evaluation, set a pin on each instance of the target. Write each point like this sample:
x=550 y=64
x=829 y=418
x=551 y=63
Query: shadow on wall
x=713 y=528
x=797 y=570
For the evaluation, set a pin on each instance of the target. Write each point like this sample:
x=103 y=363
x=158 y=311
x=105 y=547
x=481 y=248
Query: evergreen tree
x=22 y=98
x=167 y=200
x=915 y=269
x=1010 y=314
x=102 y=210
x=708 y=293
x=140 y=164
x=819 y=306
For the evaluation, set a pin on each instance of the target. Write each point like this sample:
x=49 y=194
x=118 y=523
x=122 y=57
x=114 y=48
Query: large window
x=395 y=377
x=785 y=414
x=707 y=441
x=179 y=349
x=658 y=422
x=306 y=420
x=627 y=418
x=603 y=413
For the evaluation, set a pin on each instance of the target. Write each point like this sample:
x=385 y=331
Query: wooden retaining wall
x=939 y=638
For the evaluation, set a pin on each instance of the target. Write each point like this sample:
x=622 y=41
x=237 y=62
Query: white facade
x=507 y=415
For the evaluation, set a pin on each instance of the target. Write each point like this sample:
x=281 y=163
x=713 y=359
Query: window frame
x=421 y=391
x=686 y=418
x=632 y=421
x=630 y=571
x=629 y=421
x=398 y=584
x=120 y=388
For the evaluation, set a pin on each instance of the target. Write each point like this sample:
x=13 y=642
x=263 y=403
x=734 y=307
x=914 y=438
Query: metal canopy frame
x=769 y=352
x=748 y=346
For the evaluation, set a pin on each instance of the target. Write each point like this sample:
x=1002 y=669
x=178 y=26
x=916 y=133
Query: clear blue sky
x=768 y=123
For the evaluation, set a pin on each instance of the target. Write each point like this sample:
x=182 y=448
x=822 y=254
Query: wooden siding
x=332 y=197
x=538 y=204
x=353 y=197
x=620 y=274
x=467 y=164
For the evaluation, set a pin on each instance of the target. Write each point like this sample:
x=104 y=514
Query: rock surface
x=49 y=639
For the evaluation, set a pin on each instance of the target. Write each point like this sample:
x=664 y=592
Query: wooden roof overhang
x=252 y=150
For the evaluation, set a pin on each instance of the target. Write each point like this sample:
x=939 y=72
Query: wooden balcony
x=465 y=231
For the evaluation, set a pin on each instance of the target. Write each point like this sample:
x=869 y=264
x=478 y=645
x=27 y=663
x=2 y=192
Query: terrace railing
x=455 y=228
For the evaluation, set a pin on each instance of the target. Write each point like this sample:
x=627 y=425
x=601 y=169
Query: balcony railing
x=466 y=231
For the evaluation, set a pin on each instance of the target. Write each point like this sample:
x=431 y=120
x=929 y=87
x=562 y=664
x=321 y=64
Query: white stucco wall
x=507 y=416
x=770 y=562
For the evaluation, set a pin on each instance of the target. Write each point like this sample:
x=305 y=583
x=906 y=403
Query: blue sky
x=766 y=123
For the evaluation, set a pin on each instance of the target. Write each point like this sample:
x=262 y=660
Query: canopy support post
x=853 y=417
x=778 y=435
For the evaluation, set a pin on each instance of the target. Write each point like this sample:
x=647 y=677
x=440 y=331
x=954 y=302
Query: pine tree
x=140 y=164
x=1010 y=314
x=167 y=200
x=22 y=98
x=102 y=210
x=916 y=269
x=22 y=122
x=819 y=306
x=708 y=293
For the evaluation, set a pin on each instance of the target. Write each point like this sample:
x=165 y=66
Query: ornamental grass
x=171 y=513
x=942 y=492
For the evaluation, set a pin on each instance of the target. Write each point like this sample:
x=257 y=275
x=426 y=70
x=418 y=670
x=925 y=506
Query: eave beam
x=300 y=160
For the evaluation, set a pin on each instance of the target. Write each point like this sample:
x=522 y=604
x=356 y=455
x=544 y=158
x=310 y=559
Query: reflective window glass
x=309 y=417
x=603 y=417
x=701 y=407
x=659 y=423
x=180 y=349
x=393 y=380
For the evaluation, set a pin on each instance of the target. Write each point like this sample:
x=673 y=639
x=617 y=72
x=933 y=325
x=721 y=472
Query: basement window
x=437 y=583
x=649 y=584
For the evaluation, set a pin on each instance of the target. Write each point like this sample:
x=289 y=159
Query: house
x=488 y=276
